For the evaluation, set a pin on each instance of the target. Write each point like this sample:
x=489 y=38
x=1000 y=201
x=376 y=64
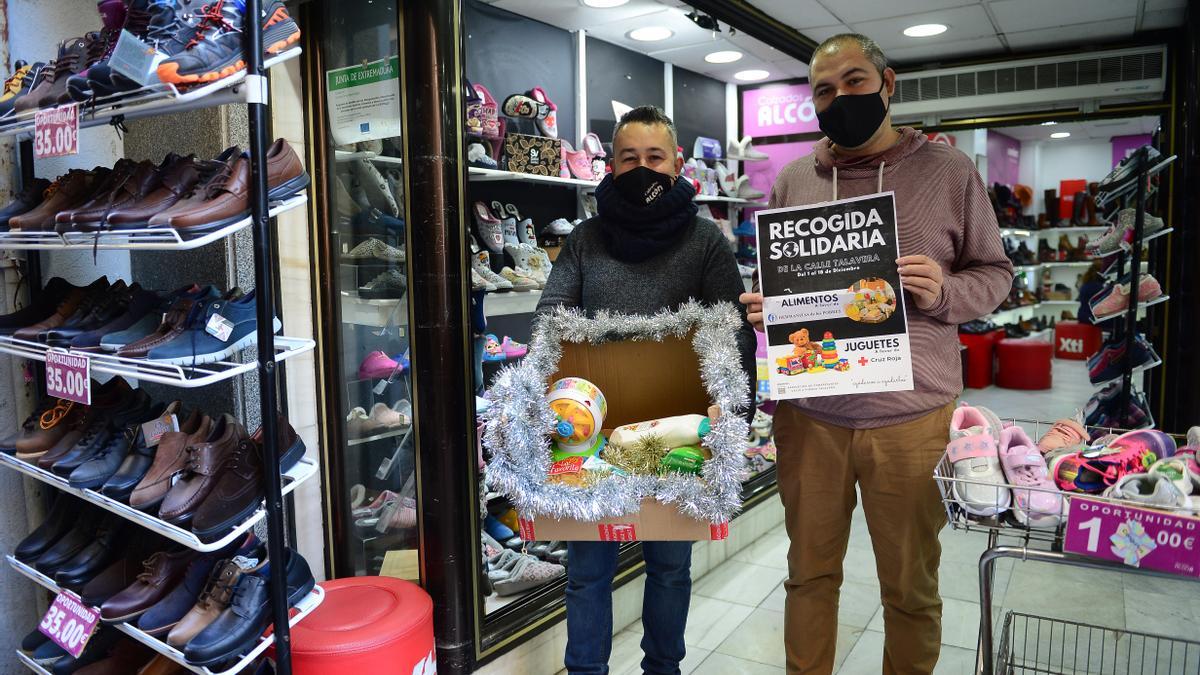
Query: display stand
x=252 y=89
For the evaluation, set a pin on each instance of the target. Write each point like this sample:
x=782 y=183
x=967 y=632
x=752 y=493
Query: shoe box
x=536 y=155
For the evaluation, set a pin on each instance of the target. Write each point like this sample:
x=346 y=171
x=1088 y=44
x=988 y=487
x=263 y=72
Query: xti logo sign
x=1070 y=345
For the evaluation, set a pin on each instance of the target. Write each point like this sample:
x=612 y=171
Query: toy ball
x=580 y=408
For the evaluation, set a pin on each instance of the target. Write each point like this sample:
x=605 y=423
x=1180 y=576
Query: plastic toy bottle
x=673 y=431
x=580 y=407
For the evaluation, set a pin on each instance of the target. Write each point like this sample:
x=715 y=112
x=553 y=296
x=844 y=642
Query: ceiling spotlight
x=650 y=33
x=925 y=30
x=752 y=75
x=705 y=21
x=604 y=4
x=723 y=57
x=1061 y=134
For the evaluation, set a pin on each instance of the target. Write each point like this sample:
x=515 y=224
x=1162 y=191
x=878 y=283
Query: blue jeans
x=590 y=570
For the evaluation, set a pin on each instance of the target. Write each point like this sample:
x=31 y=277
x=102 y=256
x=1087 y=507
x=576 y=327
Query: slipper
x=528 y=573
x=728 y=180
x=519 y=105
x=578 y=161
x=549 y=123
x=492 y=127
x=592 y=146
x=491 y=231
x=744 y=151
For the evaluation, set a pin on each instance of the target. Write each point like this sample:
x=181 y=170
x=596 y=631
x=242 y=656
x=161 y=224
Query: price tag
x=69 y=376
x=219 y=327
x=56 y=131
x=155 y=429
x=135 y=59
x=69 y=623
x=1135 y=536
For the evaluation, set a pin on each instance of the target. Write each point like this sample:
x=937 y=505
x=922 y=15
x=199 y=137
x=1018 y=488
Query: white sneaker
x=519 y=282
x=1176 y=470
x=1151 y=489
x=974 y=449
x=744 y=151
x=560 y=227
x=481 y=264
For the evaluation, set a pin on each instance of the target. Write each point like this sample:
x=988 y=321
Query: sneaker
x=216 y=50
x=1148 y=489
x=1117 y=300
x=375 y=249
x=513 y=349
x=1133 y=452
x=1110 y=363
x=493 y=351
x=1066 y=433
x=520 y=282
x=481 y=264
x=560 y=227
x=744 y=151
x=390 y=285
x=166 y=25
x=203 y=342
x=17 y=85
x=979 y=485
x=1024 y=467
x=1064 y=468
x=1179 y=470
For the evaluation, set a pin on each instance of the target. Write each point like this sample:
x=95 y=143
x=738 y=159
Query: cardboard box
x=536 y=155
x=641 y=380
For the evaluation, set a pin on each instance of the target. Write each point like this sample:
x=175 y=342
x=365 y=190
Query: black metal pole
x=257 y=91
x=1135 y=269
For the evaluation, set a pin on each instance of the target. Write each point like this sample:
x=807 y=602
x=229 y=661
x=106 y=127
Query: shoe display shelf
x=1136 y=369
x=511 y=302
x=391 y=433
x=301 y=610
x=479 y=175
x=372 y=157
x=1029 y=269
x=183 y=376
x=1016 y=232
x=291 y=479
x=161 y=99
x=728 y=200
x=140 y=239
x=1005 y=312
x=376 y=313
x=249 y=87
x=1069 y=263
x=1069 y=229
x=1008 y=538
x=1059 y=303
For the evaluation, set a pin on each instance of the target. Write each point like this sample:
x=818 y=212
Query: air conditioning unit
x=1081 y=81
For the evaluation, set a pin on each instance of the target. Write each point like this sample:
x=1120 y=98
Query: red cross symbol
x=863 y=361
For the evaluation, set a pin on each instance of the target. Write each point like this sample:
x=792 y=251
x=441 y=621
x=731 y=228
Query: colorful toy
x=580 y=407
x=829 y=350
x=842 y=366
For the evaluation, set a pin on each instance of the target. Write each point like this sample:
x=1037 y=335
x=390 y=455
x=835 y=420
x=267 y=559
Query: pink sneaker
x=377 y=366
x=1064 y=434
x=1132 y=452
x=1025 y=467
x=513 y=349
x=979 y=485
x=1118 y=300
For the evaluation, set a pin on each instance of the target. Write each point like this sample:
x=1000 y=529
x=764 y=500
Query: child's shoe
x=1025 y=467
x=979 y=485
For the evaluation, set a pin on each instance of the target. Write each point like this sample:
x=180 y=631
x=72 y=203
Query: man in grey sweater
x=646 y=251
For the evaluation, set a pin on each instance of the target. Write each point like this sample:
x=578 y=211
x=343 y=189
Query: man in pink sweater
x=953 y=268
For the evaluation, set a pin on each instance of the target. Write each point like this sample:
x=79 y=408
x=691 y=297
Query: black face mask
x=852 y=119
x=643 y=186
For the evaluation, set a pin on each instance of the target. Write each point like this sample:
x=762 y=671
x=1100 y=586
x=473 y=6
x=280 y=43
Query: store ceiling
x=1094 y=130
x=976 y=27
x=686 y=48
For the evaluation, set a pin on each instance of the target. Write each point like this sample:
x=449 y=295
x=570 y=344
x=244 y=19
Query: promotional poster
x=833 y=305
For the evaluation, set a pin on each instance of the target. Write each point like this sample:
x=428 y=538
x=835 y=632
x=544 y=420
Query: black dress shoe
x=71 y=543
x=113 y=423
x=33 y=640
x=115 y=306
x=58 y=523
x=107 y=546
x=42 y=308
x=238 y=627
x=96 y=471
x=137 y=462
x=98 y=648
x=94 y=302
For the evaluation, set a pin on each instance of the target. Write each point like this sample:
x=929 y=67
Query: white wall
x=1053 y=161
x=973 y=143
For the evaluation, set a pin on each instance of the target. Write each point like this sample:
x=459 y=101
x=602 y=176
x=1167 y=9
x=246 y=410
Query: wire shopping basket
x=1043 y=646
x=991 y=507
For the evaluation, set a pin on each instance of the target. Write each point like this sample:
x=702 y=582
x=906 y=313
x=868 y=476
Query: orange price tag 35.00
x=56 y=131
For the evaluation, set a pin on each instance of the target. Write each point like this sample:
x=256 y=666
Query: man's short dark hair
x=648 y=114
x=868 y=46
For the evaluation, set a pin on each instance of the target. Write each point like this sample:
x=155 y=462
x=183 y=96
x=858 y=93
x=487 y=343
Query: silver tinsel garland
x=519 y=420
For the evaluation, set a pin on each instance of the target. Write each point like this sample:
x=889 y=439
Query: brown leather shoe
x=170 y=459
x=176 y=180
x=162 y=665
x=174 y=322
x=215 y=598
x=97 y=207
x=68 y=192
x=239 y=490
x=204 y=464
x=72 y=58
x=105 y=398
x=221 y=195
x=285 y=172
x=160 y=574
x=127 y=657
x=45 y=429
x=71 y=301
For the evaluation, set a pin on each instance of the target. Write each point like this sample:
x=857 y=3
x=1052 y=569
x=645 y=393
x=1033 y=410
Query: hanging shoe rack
x=249 y=88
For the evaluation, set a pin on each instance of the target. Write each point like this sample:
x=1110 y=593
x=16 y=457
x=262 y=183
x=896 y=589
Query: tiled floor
x=735 y=624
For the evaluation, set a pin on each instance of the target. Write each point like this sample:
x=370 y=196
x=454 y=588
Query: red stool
x=1024 y=364
x=367 y=625
x=1076 y=341
x=980 y=349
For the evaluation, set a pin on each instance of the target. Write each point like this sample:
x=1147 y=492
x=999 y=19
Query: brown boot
x=1064 y=248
